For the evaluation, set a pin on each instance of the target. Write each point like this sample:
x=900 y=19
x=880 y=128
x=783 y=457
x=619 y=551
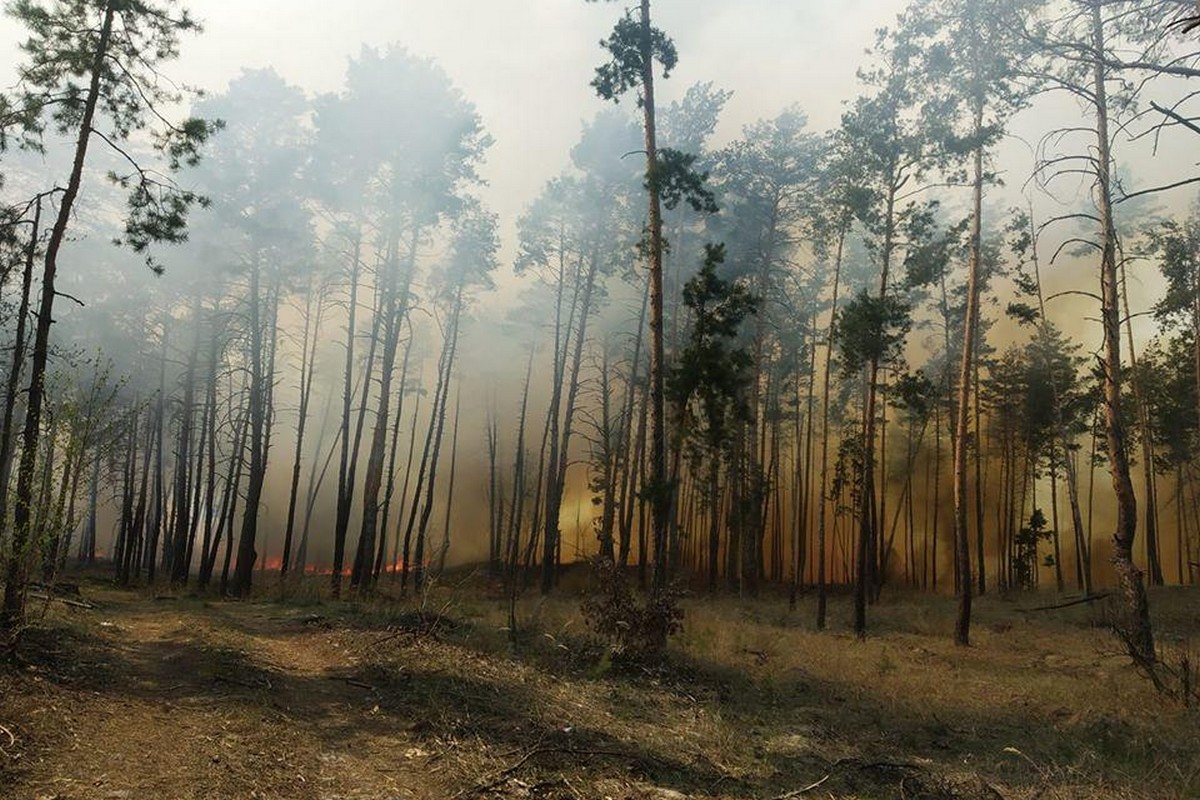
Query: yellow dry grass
x=184 y=698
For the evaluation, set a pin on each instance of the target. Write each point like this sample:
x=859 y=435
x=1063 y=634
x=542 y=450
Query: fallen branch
x=12 y=740
x=848 y=763
x=65 y=601
x=760 y=656
x=1091 y=598
x=359 y=684
x=804 y=791
x=506 y=773
x=266 y=682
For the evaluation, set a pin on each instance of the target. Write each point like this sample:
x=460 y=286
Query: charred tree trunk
x=517 y=504
x=385 y=511
x=397 y=566
x=183 y=465
x=210 y=479
x=347 y=465
x=232 y=493
x=259 y=412
x=437 y=428
x=444 y=550
x=393 y=306
x=160 y=428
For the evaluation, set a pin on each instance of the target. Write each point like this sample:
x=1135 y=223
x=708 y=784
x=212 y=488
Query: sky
x=527 y=64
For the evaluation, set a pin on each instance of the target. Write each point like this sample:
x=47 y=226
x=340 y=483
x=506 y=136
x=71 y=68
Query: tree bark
x=393 y=307
x=308 y=357
x=441 y=396
x=1140 y=636
x=258 y=409
x=349 y=449
x=12 y=615
x=962 y=624
x=826 y=383
x=12 y=385
x=659 y=492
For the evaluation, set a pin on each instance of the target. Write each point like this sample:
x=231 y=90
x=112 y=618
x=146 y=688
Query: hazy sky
x=526 y=64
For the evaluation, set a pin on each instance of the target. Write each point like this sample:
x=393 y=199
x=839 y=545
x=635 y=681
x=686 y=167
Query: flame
x=275 y=563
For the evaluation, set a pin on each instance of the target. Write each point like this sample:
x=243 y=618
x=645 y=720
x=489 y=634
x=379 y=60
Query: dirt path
x=175 y=700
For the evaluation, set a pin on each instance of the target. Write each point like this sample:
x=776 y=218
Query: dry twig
x=799 y=792
x=12 y=740
x=506 y=773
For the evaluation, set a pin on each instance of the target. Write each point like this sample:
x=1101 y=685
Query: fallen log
x=1091 y=598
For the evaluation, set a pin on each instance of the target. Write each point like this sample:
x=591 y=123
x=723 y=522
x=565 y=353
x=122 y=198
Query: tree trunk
x=657 y=489
x=560 y=460
x=962 y=624
x=247 y=554
x=1140 y=637
x=160 y=427
x=124 y=546
x=208 y=544
x=392 y=309
x=385 y=511
x=12 y=615
x=608 y=436
x=441 y=396
x=867 y=529
x=547 y=474
x=315 y=480
x=87 y=543
x=12 y=385
x=445 y=548
x=398 y=567
x=183 y=465
x=517 y=504
x=1153 y=561
x=349 y=448
x=826 y=382
x=631 y=445
x=308 y=357
x=232 y=492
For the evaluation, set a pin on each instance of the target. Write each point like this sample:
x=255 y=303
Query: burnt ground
x=186 y=698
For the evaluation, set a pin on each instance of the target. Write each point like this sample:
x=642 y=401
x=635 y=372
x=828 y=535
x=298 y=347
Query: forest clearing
x=169 y=695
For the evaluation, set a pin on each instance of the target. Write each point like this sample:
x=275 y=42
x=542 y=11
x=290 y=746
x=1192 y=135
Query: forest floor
x=177 y=697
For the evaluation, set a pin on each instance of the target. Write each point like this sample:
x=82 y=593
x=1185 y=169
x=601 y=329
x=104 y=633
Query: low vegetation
x=431 y=698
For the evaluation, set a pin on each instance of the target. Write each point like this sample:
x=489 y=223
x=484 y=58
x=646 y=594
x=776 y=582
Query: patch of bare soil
x=173 y=700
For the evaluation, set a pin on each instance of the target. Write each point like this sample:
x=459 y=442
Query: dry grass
x=184 y=698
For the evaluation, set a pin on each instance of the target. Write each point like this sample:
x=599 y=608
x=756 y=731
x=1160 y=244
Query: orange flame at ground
x=275 y=563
